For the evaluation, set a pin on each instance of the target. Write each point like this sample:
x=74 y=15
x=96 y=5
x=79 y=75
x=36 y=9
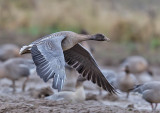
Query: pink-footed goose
x=8 y=51
x=126 y=81
x=137 y=65
x=150 y=92
x=52 y=51
x=16 y=68
x=73 y=96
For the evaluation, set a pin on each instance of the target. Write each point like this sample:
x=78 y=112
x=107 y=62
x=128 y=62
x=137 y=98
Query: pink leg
x=24 y=84
x=13 y=86
x=100 y=91
x=155 y=106
x=152 y=106
x=127 y=95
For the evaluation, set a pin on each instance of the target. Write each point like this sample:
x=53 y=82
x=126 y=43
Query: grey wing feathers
x=138 y=88
x=49 y=60
x=80 y=59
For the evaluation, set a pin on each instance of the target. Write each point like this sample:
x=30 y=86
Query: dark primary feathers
x=111 y=76
x=80 y=59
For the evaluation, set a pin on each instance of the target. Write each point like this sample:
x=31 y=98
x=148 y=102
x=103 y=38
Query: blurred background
x=132 y=25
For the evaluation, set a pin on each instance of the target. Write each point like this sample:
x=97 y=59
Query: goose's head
x=100 y=37
x=126 y=70
x=150 y=72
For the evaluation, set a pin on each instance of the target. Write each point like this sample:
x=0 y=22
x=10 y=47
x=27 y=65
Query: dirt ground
x=32 y=100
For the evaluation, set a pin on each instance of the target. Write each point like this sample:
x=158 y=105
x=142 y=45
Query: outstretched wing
x=49 y=60
x=80 y=59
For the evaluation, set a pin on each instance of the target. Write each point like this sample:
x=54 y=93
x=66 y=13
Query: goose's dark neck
x=82 y=37
x=79 y=84
x=127 y=71
x=150 y=72
x=80 y=81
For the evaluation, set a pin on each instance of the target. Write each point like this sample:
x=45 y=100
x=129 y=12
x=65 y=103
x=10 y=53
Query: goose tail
x=25 y=49
x=137 y=88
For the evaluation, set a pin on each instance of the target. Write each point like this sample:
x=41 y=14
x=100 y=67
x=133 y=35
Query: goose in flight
x=50 y=53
